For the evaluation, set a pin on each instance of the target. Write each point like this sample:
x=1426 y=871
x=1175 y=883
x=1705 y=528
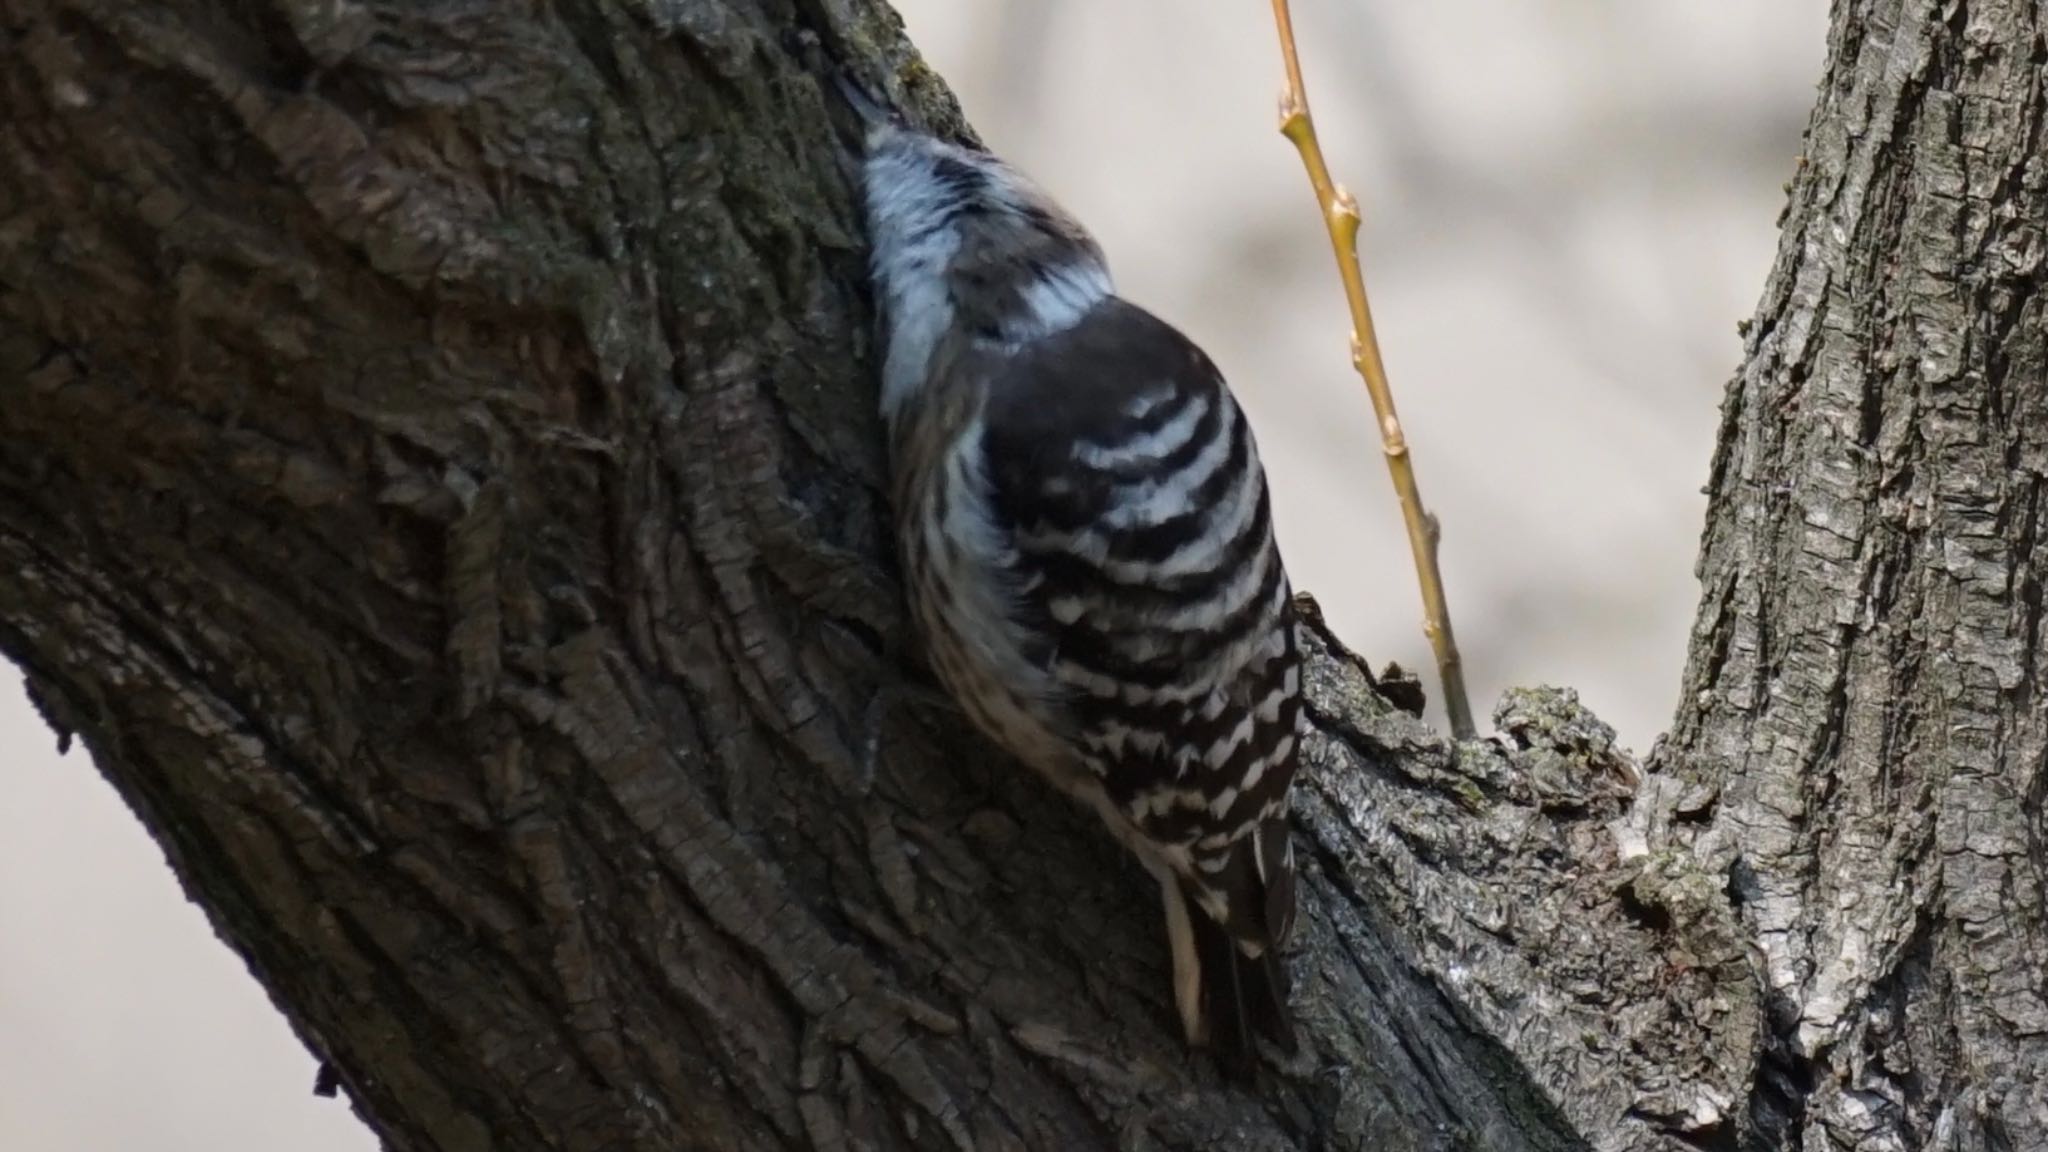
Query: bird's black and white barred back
x=1088 y=545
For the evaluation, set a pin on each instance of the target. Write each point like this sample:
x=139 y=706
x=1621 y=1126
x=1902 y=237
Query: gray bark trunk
x=1864 y=717
x=439 y=482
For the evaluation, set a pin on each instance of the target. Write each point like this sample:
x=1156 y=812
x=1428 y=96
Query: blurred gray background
x=1568 y=206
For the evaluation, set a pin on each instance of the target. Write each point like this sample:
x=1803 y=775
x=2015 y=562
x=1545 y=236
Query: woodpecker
x=1087 y=542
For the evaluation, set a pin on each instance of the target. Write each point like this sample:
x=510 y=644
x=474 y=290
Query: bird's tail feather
x=1244 y=998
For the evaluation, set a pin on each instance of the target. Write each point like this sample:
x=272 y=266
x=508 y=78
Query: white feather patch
x=1059 y=299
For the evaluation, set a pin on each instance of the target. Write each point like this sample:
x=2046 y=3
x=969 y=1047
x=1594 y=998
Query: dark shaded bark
x=439 y=481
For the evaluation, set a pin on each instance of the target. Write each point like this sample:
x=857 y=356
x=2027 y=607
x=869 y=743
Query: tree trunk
x=439 y=480
x=1864 y=718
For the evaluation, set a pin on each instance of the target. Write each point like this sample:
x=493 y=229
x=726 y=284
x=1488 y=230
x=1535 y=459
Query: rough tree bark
x=438 y=480
x=1865 y=719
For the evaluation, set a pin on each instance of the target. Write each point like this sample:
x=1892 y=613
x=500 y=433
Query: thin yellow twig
x=1340 y=214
